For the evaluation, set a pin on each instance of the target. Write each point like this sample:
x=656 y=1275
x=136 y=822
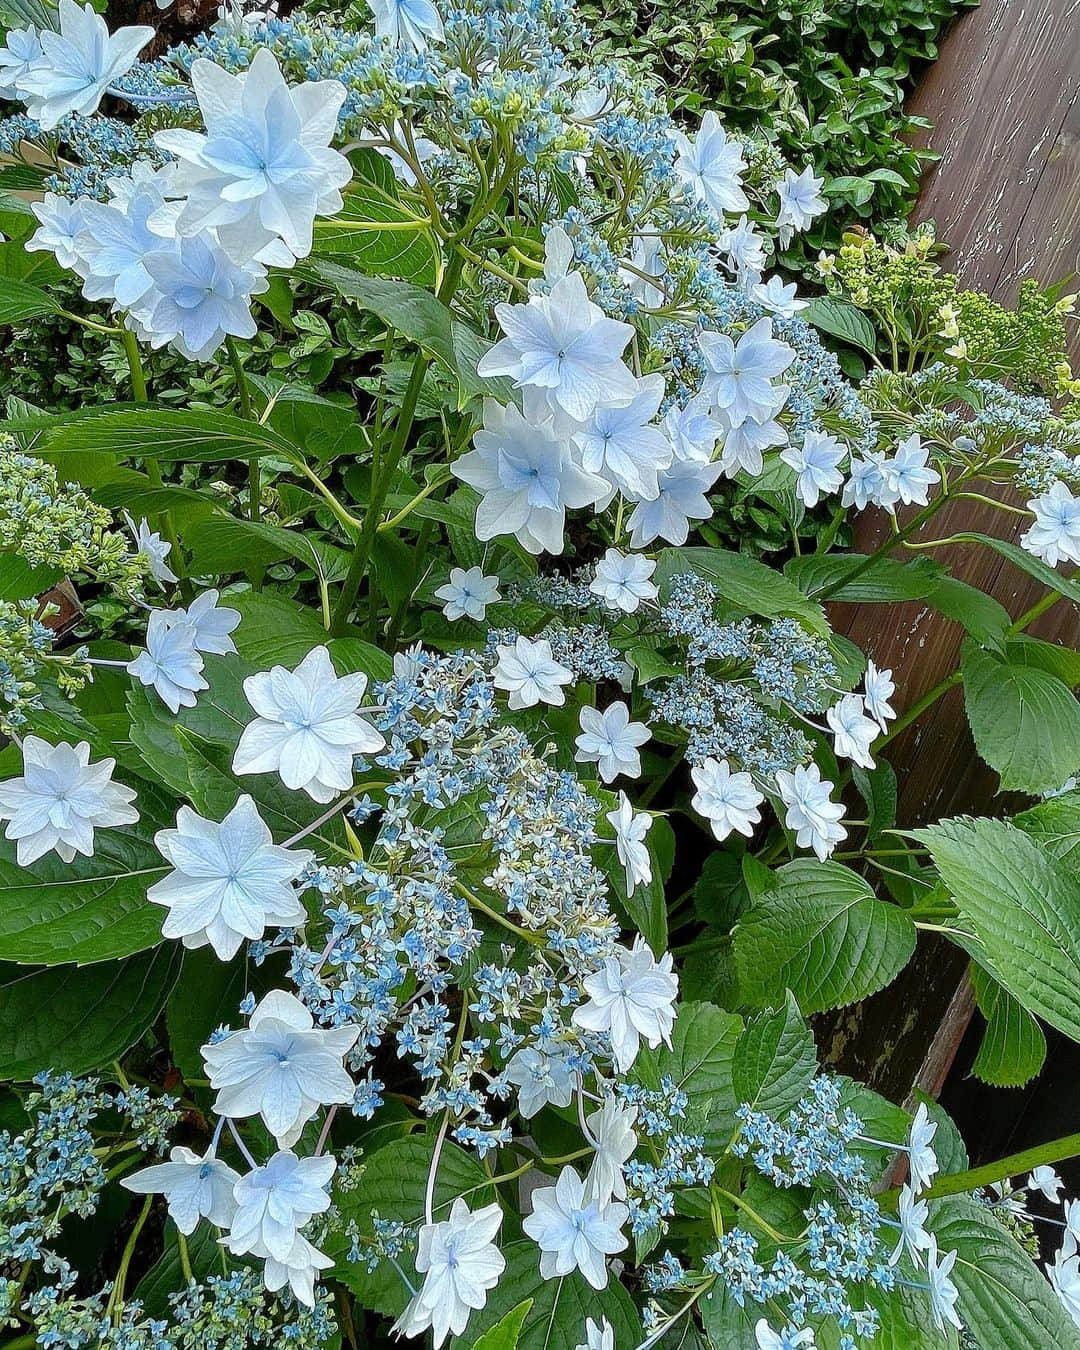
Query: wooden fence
x=1004 y=98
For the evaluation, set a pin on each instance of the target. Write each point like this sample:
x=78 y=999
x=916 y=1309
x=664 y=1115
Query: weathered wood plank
x=1005 y=100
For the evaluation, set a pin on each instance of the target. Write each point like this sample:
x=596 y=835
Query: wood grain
x=1005 y=100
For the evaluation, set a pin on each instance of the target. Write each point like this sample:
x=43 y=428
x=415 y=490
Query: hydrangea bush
x=427 y=827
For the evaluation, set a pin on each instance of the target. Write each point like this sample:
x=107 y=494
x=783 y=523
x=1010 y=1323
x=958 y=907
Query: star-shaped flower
x=170 y=664
x=265 y=167
x=622 y=580
x=460 y=1263
x=407 y=23
x=711 y=166
x=630 y=830
x=231 y=881
x=282 y=1067
x=468 y=593
x=530 y=674
x=727 y=800
x=308 y=729
x=195 y=1186
x=77 y=64
x=611 y=741
x=739 y=375
x=575 y=1231
x=60 y=800
x=811 y=812
x=632 y=998
x=527 y=476
x=564 y=343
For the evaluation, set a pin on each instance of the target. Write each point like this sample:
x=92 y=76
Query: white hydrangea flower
x=622 y=580
x=619 y=443
x=691 y=432
x=779 y=299
x=77 y=64
x=117 y=239
x=800 y=202
x=213 y=623
x=867 y=486
x=1046 y=1180
x=21 y=50
x=564 y=343
x=631 y=827
x=527 y=477
x=1055 y=534
x=308 y=729
x=611 y=741
x=745 y=444
x=646 y=261
x=413 y=24
x=711 y=167
x=879 y=688
x=575 y=1231
x=632 y=998
x=276 y=1200
x=614 y=1139
x=790 y=1338
x=1064 y=1276
x=681 y=498
x=170 y=664
x=265 y=167
x=282 y=1067
x=460 y=1263
x=231 y=881
x=907 y=478
x=195 y=1186
x=744 y=250
x=60 y=800
x=922 y=1159
x=154 y=549
x=911 y=1217
x=943 y=1293
x=854 y=733
x=530 y=674
x=815 y=463
x=542 y=1079
x=298 y=1270
x=598 y=1335
x=811 y=813
x=739 y=375
x=198 y=299
x=61 y=230
x=727 y=800
x=468 y=593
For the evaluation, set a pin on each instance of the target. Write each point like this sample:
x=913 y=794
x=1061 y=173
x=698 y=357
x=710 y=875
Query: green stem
x=135 y=365
x=410 y=506
x=534 y=939
x=914 y=524
x=243 y=396
x=740 y=1203
x=140 y=394
x=185 y=1258
x=918 y=708
x=381 y=483
x=116 y=1298
x=1037 y=609
x=1016 y=1163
